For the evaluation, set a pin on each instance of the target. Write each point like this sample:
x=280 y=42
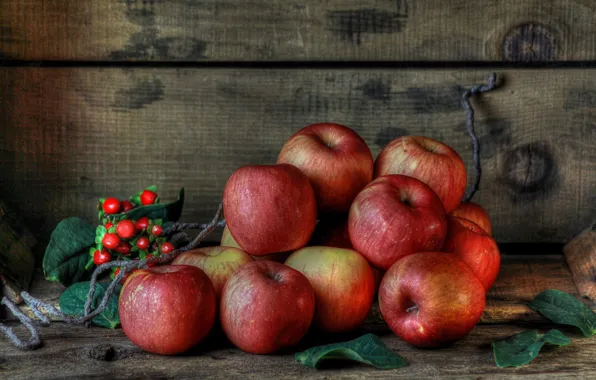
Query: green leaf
x=68 y=251
x=522 y=348
x=152 y=188
x=167 y=211
x=72 y=303
x=565 y=309
x=368 y=349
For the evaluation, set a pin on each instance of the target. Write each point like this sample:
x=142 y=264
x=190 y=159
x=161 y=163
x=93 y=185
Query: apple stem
x=492 y=84
x=36 y=305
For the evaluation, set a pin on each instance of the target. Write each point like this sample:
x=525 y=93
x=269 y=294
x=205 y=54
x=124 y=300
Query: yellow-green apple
x=474 y=247
x=343 y=282
x=167 y=309
x=269 y=208
x=475 y=213
x=395 y=216
x=227 y=240
x=431 y=161
x=333 y=232
x=266 y=306
x=335 y=159
x=431 y=299
x=217 y=262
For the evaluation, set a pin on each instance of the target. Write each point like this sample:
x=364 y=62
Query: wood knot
x=529 y=42
x=107 y=353
x=530 y=169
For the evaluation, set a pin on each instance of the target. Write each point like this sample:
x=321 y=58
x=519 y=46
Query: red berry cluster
x=123 y=238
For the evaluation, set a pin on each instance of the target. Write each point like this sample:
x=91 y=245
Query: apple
x=334 y=232
x=475 y=213
x=227 y=240
x=431 y=299
x=266 y=306
x=395 y=216
x=336 y=160
x=269 y=208
x=474 y=247
x=343 y=283
x=167 y=309
x=218 y=263
x=428 y=160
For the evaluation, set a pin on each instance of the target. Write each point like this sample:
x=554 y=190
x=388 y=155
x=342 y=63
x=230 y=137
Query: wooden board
x=77 y=352
x=520 y=279
x=580 y=254
x=69 y=136
x=309 y=30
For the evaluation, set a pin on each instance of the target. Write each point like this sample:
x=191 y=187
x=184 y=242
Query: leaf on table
x=72 y=303
x=368 y=349
x=565 y=309
x=166 y=211
x=522 y=348
x=67 y=252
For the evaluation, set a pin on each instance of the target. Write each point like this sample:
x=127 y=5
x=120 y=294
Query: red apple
x=343 y=282
x=474 y=247
x=395 y=216
x=227 y=240
x=428 y=160
x=269 y=208
x=167 y=309
x=475 y=213
x=218 y=263
x=336 y=160
x=431 y=299
x=266 y=306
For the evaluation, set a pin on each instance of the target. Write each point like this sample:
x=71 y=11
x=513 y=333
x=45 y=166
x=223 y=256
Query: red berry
x=101 y=257
x=150 y=265
x=143 y=242
x=123 y=248
x=125 y=276
x=167 y=248
x=125 y=229
x=148 y=197
x=109 y=225
x=110 y=241
x=127 y=206
x=157 y=230
x=111 y=206
x=142 y=224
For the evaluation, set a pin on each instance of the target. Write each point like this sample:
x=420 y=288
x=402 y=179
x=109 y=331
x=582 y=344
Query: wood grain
x=580 y=254
x=94 y=353
x=309 y=30
x=69 y=136
x=16 y=259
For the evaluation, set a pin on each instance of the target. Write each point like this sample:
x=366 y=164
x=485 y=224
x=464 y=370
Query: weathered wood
x=260 y=30
x=581 y=258
x=77 y=352
x=16 y=259
x=69 y=136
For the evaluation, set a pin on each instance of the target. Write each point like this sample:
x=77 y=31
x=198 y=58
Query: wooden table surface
x=96 y=353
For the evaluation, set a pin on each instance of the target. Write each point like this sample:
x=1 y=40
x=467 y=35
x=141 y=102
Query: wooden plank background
x=71 y=135
x=307 y=30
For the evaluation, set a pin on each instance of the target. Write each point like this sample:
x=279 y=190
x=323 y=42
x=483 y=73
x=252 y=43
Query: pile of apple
x=313 y=238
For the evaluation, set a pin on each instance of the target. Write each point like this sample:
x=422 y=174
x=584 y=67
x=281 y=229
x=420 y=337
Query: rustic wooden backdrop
x=105 y=97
